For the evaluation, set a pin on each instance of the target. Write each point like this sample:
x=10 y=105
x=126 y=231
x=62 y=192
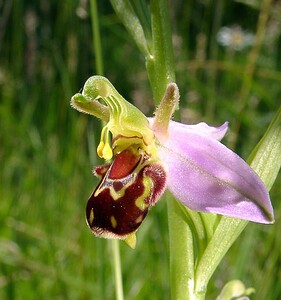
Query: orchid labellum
x=147 y=155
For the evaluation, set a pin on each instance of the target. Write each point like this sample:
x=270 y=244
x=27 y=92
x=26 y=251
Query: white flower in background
x=235 y=38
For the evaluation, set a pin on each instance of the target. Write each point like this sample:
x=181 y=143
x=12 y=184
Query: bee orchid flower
x=145 y=156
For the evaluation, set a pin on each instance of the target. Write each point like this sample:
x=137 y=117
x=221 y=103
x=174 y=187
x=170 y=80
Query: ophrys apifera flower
x=150 y=155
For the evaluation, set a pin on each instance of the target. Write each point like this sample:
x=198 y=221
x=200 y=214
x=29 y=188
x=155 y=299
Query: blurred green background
x=47 y=150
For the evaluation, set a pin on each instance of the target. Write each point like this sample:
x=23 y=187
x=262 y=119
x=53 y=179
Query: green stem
x=117 y=269
x=181 y=252
x=161 y=71
x=160 y=65
x=96 y=37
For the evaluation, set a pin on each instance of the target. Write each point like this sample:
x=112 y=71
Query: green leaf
x=127 y=15
x=266 y=157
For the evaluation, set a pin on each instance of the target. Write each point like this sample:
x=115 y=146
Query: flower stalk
x=161 y=71
x=160 y=64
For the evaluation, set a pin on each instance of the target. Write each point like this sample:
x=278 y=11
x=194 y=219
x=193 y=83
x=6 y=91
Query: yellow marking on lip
x=148 y=185
x=113 y=221
x=92 y=216
x=120 y=193
x=139 y=219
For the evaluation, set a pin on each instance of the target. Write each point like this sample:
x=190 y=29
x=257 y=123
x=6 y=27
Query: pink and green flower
x=146 y=156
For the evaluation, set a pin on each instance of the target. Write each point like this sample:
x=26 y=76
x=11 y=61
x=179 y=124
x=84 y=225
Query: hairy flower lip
x=128 y=188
